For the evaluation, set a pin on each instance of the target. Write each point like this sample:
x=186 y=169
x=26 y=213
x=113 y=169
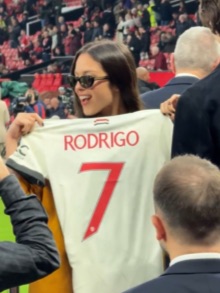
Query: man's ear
x=172 y=63
x=216 y=63
x=159 y=227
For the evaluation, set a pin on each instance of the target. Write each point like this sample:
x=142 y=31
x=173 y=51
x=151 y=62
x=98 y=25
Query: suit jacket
x=197 y=127
x=197 y=276
x=176 y=85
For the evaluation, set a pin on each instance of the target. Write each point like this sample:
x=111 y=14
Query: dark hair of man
x=187 y=193
x=118 y=63
x=209 y=12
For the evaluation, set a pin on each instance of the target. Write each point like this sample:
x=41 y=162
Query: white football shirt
x=102 y=171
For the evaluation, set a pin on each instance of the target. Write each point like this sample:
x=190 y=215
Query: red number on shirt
x=114 y=173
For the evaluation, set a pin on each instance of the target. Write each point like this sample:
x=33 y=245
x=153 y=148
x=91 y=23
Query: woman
x=105 y=84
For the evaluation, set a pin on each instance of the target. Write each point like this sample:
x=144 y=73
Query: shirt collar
x=193 y=256
x=186 y=74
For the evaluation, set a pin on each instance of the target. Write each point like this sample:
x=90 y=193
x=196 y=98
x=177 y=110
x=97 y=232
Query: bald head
x=143 y=74
x=187 y=193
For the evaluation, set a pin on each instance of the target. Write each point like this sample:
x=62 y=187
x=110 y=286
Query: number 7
x=114 y=173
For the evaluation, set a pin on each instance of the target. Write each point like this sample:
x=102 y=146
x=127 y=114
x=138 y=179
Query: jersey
x=102 y=171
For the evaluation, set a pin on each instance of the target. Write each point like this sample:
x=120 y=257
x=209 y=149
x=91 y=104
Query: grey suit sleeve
x=34 y=255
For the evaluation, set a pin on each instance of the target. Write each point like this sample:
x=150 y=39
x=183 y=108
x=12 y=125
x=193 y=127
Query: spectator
x=46 y=45
x=150 y=9
x=159 y=57
x=56 y=109
x=24 y=21
x=88 y=32
x=36 y=53
x=118 y=10
x=60 y=21
x=107 y=32
x=145 y=42
x=109 y=18
x=119 y=31
x=109 y=93
x=135 y=45
x=183 y=24
x=187 y=224
x=57 y=51
x=2 y=23
x=35 y=103
x=144 y=84
x=97 y=31
x=165 y=12
x=170 y=43
x=54 y=37
x=145 y=18
x=196 y=55
x=45 y=13
x=34 y=255
x=182 y=7
x=72 y=43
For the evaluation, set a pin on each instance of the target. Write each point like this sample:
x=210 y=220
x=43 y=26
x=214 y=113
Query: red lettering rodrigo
x=101 y=140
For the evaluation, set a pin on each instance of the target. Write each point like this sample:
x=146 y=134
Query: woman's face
x=101 y=98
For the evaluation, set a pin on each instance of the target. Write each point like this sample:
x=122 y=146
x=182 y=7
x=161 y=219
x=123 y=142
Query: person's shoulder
x=211 y=79
x=206 y=88
x=152 y=93
x=155 y=285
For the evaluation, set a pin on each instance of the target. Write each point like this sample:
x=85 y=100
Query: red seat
x=42 y=87
x=57 y=81
x=49 y=80
x=36 y=82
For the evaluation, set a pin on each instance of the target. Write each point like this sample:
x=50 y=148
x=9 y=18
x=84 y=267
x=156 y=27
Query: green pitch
x=6 y=234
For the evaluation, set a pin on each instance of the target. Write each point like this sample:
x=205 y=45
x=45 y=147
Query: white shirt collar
x=192 y=256
x=186 y=74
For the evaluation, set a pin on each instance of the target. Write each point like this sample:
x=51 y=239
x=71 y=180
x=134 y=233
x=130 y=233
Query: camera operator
x=35 y=104
x=20 y=105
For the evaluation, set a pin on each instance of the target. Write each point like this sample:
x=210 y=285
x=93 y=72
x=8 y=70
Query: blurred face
x=101 y=98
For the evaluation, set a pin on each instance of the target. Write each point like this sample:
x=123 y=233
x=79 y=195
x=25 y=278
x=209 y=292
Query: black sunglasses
x=86 y=81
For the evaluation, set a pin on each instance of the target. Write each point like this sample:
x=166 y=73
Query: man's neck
x=197 y=73
x=178 y=250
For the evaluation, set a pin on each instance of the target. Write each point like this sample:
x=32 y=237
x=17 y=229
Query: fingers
x=169 y=106
x=26 y=122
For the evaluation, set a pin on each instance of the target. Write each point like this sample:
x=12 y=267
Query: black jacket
x=197 y=127
x=34 y=255
x=197 y=276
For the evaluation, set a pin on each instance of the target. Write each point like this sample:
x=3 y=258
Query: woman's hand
x=169 y=106
x=23 y=124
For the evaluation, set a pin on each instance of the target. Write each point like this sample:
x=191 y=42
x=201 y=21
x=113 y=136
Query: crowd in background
x=149 y=28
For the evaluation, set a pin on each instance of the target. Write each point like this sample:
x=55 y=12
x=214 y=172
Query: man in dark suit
x=197 y=127
x=194 y=57
x=187 y=223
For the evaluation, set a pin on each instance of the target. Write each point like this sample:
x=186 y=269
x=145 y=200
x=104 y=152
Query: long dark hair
x=118 y=63
x=209 y=12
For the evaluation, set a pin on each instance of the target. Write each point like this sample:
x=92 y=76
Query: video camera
x=18 y=105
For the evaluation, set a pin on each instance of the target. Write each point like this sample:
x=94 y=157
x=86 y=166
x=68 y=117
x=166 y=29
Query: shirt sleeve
x=34 y=255
x=28 y=160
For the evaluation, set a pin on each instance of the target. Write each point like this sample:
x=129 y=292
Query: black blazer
x=197 y=121
x=176 y=85
x=197 y=276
